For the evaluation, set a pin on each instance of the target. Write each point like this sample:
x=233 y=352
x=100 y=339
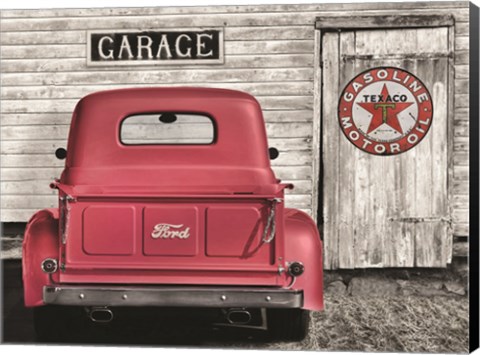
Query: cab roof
x=173 y=92
x=238 y=155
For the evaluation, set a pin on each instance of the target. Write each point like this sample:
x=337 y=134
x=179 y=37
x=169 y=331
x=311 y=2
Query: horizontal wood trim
x=29 y=174
x=23 y=215
x=32 y=132
x=230 y=34
x=460 y=249
x=461 y=144
x=32 y=146
x=462 y=101
x=286 y=158
x=410 y=56
x=247 y=33
x=460 y=215
x=49 y=201
x=269 y=33
x=42 y=187
x=283 y=82
x=64 y=118
x=462 y=43
x=278 y=130
x=25 y=174
x=286 y=88
x=67 y=105
x=44 y=51
x=461 y=159
x=28 y=188
x=290 y=18
x=173 y=20
x=231 y=48
x=390 y=21
x=462 y=57
x=462 y=29
x=272 y=60
x=461 y=229
x=280 y=99
x=43 y=37
x=461 y=173
x=461 y=201
x=191 y=76
x=41 y=147
x=461 y=87
x=461 y=187
x=16 y=215
x=192 y=10
x=461 y=129
x=462 y=71
x=37 y=202
x=298 y=201
x=462 y=113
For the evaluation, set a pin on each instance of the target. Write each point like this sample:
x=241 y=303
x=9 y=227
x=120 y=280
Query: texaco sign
x=385 y=111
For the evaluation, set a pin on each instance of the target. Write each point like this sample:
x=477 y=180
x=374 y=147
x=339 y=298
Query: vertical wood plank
x=316 y=148
x=430 y=244
x=398 y=188
x=423 y=181
x=395 y=214
x=330 y=72
x=361 y=223
x=451 y=117
x=346 y=176
x=370 y=200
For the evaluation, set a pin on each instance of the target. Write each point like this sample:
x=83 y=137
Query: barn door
x=384 y=152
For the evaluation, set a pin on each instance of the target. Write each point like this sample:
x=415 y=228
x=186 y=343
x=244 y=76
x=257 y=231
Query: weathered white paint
x=387 y=211
x=270 y=52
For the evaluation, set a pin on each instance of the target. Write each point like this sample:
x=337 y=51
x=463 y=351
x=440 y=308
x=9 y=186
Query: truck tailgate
x=154 y=239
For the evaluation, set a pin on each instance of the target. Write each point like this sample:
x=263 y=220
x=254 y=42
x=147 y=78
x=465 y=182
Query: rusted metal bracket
x=270 y=225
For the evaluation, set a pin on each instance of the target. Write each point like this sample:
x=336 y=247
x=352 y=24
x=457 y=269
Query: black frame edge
x=473 y=178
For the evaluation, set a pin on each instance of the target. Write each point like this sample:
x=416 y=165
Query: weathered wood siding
x=386 y=211
x=269 y=52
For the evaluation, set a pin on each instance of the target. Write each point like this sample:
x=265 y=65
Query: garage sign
x=385 y=111
x=154 y=47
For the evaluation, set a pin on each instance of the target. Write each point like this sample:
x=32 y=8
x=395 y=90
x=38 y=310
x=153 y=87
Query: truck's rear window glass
x=167 y=128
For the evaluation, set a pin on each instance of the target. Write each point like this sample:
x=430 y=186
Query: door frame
x=338 y=23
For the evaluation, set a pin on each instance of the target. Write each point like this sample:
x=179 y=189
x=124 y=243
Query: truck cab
x=168 y=200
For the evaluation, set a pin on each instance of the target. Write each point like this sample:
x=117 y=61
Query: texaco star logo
x=385 y=111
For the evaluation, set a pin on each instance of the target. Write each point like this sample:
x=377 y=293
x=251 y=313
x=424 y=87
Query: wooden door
x=386 y=210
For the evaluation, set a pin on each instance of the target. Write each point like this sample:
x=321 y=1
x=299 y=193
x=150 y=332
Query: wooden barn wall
x=269 y=52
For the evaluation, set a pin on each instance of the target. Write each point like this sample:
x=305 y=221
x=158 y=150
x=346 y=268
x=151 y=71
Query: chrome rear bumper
x=166 y=296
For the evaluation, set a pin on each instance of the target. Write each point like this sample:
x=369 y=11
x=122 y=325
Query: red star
x=385 y=112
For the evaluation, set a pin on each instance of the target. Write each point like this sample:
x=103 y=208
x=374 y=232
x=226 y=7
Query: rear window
x=167 y=128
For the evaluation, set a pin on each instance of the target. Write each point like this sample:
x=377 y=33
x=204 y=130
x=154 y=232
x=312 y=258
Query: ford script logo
x=170 y=231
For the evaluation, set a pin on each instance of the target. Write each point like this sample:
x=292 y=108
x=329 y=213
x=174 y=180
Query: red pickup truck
x=168 y=199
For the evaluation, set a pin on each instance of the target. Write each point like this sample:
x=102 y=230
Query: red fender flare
x=41 y=241
x=303 y=244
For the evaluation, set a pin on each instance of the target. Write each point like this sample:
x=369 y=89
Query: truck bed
x=164 y=239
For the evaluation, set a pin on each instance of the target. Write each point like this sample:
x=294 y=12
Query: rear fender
x=303 y=244
x=41 y=241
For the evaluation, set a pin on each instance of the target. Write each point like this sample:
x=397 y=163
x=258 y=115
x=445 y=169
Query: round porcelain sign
x=385 y=111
